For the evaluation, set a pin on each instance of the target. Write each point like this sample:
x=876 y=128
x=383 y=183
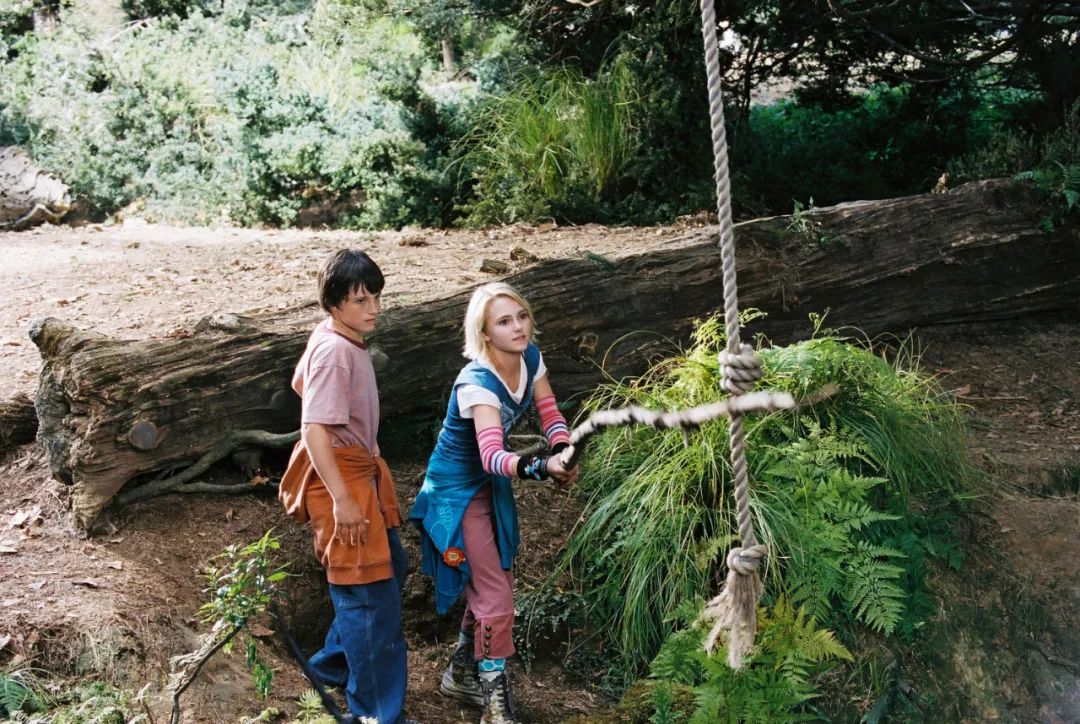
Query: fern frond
x=856 y=515
x=871 y=589
x=16 y=695
x=679 y=660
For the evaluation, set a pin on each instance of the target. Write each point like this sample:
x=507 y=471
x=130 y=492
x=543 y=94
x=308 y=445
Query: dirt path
x=119 y=605
x=1014 y=610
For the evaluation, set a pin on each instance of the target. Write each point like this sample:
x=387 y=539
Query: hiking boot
x=460 y=680
x=498 y=704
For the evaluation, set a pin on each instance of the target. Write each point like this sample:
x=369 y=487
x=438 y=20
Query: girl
x=465 y=510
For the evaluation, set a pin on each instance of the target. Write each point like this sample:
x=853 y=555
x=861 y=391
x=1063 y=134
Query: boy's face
x=358 y=311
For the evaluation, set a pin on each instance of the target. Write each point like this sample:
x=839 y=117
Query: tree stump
x=28 y=195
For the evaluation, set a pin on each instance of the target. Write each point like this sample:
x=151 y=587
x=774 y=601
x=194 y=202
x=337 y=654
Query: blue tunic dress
x=455 y=475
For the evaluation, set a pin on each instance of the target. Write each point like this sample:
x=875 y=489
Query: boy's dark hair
x=343 y=273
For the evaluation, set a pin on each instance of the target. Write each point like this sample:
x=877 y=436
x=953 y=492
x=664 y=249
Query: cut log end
x=143 y=435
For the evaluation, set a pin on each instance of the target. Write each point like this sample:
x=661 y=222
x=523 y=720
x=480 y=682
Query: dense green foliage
x=558 y=145
x=852 y=495
x=832 y=140
x=257 y=119
x=1051 y=163
x=776 y=679
x=25 y=697
x=375 y=113
x=17 y=693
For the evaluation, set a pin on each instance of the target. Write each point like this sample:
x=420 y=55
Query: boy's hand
x=350 y=525
x=562 y=475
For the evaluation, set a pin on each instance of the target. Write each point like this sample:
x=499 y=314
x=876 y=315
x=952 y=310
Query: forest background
x=385 y=113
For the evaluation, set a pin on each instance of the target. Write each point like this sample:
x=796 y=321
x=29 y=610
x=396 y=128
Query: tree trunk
x=113 y=412
x=449 y=63
x=28 y=195
x=18 y=422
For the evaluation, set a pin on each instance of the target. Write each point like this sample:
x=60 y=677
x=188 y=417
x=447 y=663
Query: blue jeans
x=364 y=650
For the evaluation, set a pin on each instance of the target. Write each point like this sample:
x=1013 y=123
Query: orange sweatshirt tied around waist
x=306 y=498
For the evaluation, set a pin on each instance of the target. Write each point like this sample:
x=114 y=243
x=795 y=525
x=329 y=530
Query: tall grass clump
x=851 y=494
x=557 y=144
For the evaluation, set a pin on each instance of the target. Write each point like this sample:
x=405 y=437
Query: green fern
x=778 y=677
x=1059 y=181
x=17 y=694
x=872 y=591
x=815 y=575
x=311 y=709
x=679 y=660
x=663 y=702
x=757 y=695
x=791 y=638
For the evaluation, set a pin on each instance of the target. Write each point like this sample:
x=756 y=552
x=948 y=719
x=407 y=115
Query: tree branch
x=198 y=659
x=969 y=63
x=236 y=439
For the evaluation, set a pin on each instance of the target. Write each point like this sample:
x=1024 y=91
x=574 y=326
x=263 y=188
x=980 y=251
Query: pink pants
x=489 y=593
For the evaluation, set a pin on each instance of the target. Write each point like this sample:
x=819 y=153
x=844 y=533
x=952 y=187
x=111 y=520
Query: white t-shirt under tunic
x=469 y=396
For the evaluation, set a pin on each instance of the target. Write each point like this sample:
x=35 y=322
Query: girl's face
x=507 y=325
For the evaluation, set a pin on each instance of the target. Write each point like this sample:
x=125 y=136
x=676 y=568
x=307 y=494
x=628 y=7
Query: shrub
x=255 y=119
x=557 y=145
x=1002 y=143
x=140 y=9
x=838 y=493
x=18 y=693
x=24 y=698
x=16 y=19
x=1051 y=163
x=777 y=677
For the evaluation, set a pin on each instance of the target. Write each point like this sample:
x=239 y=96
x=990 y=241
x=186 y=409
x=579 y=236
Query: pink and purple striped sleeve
x=552 y=423
x=493 y=456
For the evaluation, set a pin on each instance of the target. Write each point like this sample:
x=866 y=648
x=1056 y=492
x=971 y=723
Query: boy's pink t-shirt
x=336 y=383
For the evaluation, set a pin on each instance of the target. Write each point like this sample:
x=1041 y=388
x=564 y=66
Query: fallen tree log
x=114 y=412
x=18 y=422
x=28 y=195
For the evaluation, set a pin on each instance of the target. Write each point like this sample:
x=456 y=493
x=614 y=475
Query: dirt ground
x=117 y=606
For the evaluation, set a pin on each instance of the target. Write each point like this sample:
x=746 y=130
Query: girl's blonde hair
x=477 y=314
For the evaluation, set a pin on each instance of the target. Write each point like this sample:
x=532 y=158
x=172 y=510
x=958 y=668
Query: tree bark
x=449 y=62
x=28 y=195
x=18 y=422
x=114 y=412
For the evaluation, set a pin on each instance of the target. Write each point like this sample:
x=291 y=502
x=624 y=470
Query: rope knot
x=740 y=372
x=746 y=561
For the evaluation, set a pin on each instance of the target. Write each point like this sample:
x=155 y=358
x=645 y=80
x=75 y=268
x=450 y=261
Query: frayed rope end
x=735 y=609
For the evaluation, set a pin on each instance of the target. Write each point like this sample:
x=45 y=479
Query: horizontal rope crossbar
x=689 y=418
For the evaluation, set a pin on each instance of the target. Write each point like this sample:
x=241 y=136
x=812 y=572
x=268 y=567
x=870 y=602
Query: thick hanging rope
x=735 y=609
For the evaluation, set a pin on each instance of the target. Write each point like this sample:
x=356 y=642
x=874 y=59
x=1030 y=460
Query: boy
x=337 y=480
